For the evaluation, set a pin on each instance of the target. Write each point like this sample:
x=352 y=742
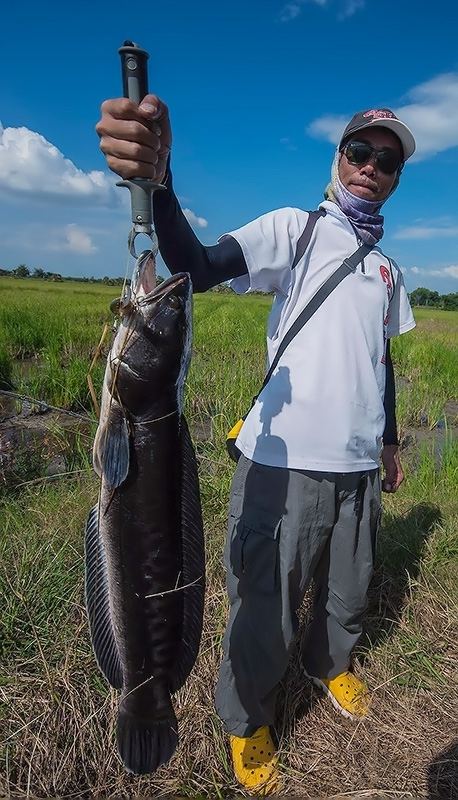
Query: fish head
x=152 y=349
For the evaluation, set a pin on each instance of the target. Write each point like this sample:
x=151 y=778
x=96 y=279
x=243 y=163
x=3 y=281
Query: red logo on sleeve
x=388 y=281
x=386 y=278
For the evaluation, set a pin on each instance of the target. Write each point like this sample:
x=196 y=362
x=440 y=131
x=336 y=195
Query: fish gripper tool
x=135 y=87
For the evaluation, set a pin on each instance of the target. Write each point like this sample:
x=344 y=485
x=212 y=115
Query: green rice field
x=57 y=715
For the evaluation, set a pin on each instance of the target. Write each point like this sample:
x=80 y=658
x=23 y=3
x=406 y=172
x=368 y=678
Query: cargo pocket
x=254 y=554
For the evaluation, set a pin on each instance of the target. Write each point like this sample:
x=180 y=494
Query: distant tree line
x=426 y=297
x=22 y=271
x=419 y=297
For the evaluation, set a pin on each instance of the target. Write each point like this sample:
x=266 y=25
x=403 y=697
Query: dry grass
x=399 y=746
x=57 y=715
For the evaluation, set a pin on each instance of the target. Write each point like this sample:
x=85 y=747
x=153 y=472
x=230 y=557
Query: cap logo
x=379 y=114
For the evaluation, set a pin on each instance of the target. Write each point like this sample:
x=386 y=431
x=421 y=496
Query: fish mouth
x=165 y=288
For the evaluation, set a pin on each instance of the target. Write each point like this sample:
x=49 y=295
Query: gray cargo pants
x=285 y=528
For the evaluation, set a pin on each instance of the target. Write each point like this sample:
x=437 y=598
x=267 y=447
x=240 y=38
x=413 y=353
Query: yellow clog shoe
x=348 y=694
x=255 y=762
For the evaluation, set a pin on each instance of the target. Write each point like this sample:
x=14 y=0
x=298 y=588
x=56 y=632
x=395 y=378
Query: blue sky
x=258 y=94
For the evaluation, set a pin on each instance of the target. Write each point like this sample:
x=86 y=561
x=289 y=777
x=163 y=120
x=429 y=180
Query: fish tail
x=144 y=744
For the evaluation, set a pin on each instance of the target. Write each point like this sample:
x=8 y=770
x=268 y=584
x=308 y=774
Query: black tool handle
x=134 y=71
x=135 y=87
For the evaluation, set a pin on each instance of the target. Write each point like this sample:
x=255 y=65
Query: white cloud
x=78 y=240
x=441 y=272
x=72 y=239
x=329 y=127
x=33 y=167
x=426 y=232
x=292 y=10
x=431 y=113
x=194 y=220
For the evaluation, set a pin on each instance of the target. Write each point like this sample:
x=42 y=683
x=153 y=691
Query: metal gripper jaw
x=141 y=197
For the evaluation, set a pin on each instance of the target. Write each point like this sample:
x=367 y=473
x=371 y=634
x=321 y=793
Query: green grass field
x=56 y=712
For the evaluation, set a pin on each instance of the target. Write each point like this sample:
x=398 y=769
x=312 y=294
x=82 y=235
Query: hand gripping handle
x=135 y=87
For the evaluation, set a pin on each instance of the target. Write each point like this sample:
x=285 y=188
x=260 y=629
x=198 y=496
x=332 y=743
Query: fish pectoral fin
x=111 y=451
x=98 y=604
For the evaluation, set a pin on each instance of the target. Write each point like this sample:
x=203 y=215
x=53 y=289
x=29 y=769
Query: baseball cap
x=382 y=118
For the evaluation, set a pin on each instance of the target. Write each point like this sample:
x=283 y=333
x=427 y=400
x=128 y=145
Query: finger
x=392 y=481
x=390 y=478
x=127 y=150
x=152 y=107
x=131 y=169
x=156 y=110
x=122 y=108
x=131 y=131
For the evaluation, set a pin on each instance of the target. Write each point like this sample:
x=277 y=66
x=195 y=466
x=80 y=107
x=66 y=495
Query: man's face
x=367 y=180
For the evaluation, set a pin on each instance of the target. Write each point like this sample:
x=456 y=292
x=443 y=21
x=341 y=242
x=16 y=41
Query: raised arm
x=183 y=252
x=136 y=141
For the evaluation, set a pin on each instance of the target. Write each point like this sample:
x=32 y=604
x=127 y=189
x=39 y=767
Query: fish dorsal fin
x=98 y=603
x=193 y=562
x=111 y=449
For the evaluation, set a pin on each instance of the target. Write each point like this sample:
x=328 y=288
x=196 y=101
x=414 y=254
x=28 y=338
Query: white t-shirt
x=323 y=406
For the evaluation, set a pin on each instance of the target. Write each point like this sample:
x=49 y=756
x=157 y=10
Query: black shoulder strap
x=348 y=265
x=306 y=235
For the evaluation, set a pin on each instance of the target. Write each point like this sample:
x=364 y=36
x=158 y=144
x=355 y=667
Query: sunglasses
x=387 y=159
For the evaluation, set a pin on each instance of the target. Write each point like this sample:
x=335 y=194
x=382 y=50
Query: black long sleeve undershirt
x=183 y=252
x=210 y=265
x=390 y=434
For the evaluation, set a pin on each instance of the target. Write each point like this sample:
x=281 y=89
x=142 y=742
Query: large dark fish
x=144 y=539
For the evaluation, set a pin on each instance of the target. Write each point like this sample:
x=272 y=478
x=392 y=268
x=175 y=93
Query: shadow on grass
x=296 y=698
x=443 y=775
x=401 y=546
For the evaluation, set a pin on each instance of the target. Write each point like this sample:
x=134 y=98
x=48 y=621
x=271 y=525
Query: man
x=305 y=500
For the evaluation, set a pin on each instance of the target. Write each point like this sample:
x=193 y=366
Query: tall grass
x=49 y=333
x=428 y=359
x=56 y=712
x=55 y=328
x=6 y=367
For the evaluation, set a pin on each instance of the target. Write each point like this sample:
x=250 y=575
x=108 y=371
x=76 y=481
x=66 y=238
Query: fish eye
x=174 y=301
x=115 y=305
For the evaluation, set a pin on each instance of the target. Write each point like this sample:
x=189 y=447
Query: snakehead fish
x=144 y=546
